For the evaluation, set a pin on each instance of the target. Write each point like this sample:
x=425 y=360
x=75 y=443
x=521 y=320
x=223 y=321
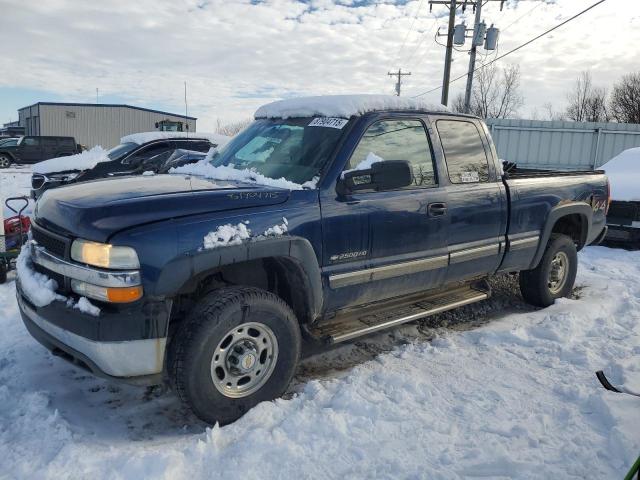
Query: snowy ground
x=495 y=390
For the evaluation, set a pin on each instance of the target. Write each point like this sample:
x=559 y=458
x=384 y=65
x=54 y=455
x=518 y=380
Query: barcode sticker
x=329 y=122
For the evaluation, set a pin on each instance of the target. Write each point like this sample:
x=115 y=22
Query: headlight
x=64 y=177
x=104 y=255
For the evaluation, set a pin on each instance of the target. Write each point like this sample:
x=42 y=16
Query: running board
x=380 y=316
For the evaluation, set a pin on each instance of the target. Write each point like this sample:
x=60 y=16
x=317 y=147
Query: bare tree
x=625 y=99
x=231 y=129
x=551 y=114
x=586 y=102
x=496 y=92
x=458 y=103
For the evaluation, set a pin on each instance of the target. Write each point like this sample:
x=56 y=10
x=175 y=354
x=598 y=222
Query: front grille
x=37 y=181
x=52 y=243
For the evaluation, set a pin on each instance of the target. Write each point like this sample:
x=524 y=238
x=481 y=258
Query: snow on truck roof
x=343 y=106
x=144 y=137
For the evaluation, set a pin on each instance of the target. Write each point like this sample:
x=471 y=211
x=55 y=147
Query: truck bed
x=511 y=170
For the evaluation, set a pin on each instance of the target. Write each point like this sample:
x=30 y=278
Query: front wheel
x=555 y=274
x=238 y=347
x=5 y=161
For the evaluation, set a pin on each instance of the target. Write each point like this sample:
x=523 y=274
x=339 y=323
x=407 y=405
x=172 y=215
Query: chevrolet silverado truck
x=326 y=219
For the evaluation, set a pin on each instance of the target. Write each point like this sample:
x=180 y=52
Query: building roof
x=121 y=105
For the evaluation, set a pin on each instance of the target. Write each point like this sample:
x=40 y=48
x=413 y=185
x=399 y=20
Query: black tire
x=5 y=160
x=3 y=271
x=535 y=284
x=206 y=327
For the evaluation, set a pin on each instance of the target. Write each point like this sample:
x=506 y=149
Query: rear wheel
x=5 y=160
x=238 y=347
x=555 y=274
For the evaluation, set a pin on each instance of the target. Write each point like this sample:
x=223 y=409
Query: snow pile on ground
x=144 y=137
x=514 y=398
x=364 y=164
x=343 y=106
x=205 y=169
x=227 y=235
x=623 y=171
x=81 y=161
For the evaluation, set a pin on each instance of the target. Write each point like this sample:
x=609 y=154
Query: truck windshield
x=278 y=148
x=121 y=150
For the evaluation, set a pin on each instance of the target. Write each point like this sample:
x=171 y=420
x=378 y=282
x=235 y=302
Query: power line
x=424 y=36
x=517 y=48
x=523 y=15
x=409 y=31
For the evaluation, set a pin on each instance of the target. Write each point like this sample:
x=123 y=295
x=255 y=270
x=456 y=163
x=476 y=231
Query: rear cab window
x=464 y=152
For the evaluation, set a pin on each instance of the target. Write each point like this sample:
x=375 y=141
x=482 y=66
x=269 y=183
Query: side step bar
x=380 y=316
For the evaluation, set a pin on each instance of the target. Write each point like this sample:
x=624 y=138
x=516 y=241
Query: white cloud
x=238 y=55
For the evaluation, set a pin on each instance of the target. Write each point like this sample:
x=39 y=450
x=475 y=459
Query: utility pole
x=472 y=56
x=399 y=74
x=448 y=55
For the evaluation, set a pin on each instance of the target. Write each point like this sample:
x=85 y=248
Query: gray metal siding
x=104 y=126
x=561 y=145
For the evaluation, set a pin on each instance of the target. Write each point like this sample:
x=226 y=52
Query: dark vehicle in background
x=34 y=149
x=623 y=218
x=323 y=227
x=128 y=158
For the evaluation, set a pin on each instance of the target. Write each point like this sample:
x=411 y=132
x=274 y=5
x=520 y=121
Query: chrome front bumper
x=134 y=358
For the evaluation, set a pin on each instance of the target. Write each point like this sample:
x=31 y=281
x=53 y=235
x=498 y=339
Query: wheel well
x=283 y=276
x=574 y=226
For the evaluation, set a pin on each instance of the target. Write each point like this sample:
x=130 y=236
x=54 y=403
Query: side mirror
x=386 y=175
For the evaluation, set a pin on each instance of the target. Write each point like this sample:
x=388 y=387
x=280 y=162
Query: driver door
x=383 y=244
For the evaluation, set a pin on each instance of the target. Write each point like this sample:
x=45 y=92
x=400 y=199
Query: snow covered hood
x=144 y=137
x=343 y=106
x=623 y=171
x=81 y=161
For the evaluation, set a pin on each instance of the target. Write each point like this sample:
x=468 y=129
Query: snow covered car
x=328 y=218
x=623 y=219
x=137 y=153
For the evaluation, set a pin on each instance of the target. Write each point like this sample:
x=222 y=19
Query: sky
x=238 y=55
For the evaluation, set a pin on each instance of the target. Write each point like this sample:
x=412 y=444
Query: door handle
x=437 y=209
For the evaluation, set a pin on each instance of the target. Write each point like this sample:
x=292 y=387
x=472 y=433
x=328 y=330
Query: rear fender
x=581 y=208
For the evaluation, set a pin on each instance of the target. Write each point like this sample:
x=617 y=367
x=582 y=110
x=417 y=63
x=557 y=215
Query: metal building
x=560 y=144
x=98 y=123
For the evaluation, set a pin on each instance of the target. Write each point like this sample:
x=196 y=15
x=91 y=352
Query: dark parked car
x=326 y=227
x=623 y=218
x=136 y=155
x=30 y=149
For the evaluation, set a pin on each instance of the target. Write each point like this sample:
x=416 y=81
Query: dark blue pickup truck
x=326 y=219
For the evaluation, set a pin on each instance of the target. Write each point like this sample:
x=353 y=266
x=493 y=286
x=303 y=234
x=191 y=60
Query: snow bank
x=226 y=235
x=205 y=169
x=623 y=171
x=81 y=161
x=364 y=164
x=144 y=137
x=343 y=106
x=513 y=398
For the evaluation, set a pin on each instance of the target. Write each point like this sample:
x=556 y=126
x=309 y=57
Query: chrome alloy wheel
x=558 y=272
x=5 y=162
x=244 y=360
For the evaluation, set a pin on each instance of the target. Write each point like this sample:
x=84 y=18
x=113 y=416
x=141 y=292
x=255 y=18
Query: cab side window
x=397 y=140
x=147 y=152
x=464 y=152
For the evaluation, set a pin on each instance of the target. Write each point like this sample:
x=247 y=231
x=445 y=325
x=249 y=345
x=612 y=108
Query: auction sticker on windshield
x=330 y=122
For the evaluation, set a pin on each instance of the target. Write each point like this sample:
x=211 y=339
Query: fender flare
x=581 y=208
x=179 y=271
